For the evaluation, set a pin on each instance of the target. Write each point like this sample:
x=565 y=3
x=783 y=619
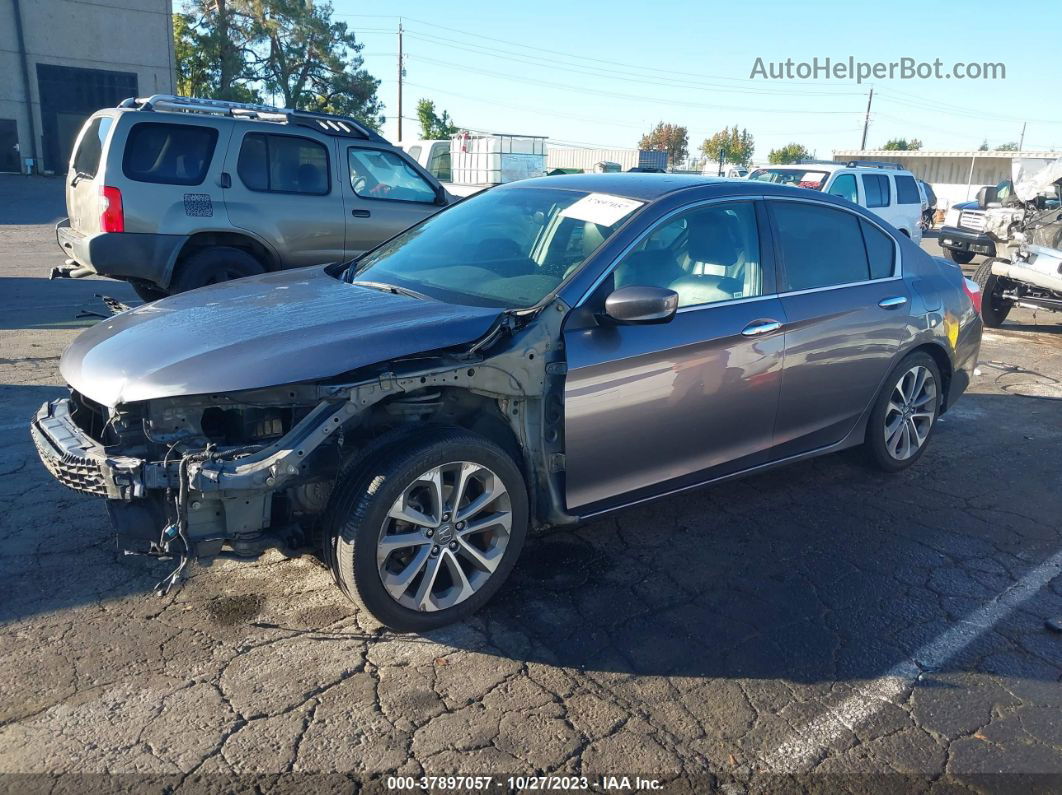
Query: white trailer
x=470 y=162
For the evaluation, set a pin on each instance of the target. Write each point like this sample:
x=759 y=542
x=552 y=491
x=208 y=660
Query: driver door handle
x=360 y=213
x=758 y=327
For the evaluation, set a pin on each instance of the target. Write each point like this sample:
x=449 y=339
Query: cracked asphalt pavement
x=860 y=629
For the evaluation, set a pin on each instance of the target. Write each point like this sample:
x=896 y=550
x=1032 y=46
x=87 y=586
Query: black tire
x=213 y=266
x=360 y=509
x=874 y=445
x=994 y=307
x=959 y=257
x=147 y=292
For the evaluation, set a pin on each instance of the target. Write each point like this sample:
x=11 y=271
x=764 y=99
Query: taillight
x=112 y=215
x=972 y=289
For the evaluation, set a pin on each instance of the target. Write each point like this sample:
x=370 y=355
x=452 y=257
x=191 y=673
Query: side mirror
x=638 y=305
x=989 y=194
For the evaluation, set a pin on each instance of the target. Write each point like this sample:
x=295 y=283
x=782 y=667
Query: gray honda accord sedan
x=541 y=353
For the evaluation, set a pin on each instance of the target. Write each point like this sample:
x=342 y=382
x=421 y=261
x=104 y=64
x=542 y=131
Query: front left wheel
x=427 y=532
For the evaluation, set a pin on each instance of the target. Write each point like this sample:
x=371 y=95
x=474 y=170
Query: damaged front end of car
x=195 y=477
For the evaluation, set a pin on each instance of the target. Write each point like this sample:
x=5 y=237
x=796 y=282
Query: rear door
x=383 y=194
x=847 y=309
x=284 y=190
x=82 y=191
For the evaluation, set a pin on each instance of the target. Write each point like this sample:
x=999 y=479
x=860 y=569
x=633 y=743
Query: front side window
x=821 y=246
x=791 y=175
x=439 y=162
x=845 y=187
x=876 y=188
x=87 y=158
x=283 y=164
x=173 y=154
x=907 y=190
x=380 y=174
x=706 y=255
x=507 y=247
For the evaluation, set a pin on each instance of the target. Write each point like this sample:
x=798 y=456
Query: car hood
x=278 y=328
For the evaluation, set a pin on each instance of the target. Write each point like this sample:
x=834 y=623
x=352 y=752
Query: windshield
x=797 y=177
x=507 y=248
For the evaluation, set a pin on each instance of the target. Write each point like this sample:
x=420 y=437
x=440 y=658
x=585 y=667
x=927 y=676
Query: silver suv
x=171 y=193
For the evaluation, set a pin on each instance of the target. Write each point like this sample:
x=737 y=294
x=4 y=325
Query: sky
x=602 y=73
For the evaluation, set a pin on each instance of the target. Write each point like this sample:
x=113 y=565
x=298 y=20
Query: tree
x=1011 y=146
x=729 y=146
x=790 y=153
x=670 y=138
x=902 y=145
x=984 y=146
x=434 y=127
x=211 y=44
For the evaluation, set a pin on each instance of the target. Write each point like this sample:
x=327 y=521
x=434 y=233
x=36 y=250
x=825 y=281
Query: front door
x=847 y=309
x=383 y=195
x=284 y=189
x=653 y=407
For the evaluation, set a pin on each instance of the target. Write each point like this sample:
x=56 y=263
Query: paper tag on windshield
x=601 y=209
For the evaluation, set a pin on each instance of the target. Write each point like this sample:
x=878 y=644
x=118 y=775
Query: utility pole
x=400 y=70
x=1021 y=142
x=866 y=120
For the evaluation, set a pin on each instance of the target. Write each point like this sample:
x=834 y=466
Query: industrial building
x=956 y=176
x=64 y=59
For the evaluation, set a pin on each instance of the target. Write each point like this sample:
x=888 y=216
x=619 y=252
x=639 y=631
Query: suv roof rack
x=327 y=123
x=873 y=164
x=813 y=162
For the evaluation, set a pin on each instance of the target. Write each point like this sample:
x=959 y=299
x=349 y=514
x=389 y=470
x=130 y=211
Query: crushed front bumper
x=80 y=462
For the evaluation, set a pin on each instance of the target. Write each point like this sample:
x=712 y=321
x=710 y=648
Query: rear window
x=283 y=164
x=172 y=154
x=907 y=191
x=881 y=251
x=87 y=158
x=797 y=177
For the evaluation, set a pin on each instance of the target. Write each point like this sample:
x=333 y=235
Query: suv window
x=907 y=190
x=283 y=164
x=705 y=255
x=821 y=246
x=380 y=174
x=172 y=154
x=881 y=251
x=876 y=187
x=845 y=187
x=87 y=158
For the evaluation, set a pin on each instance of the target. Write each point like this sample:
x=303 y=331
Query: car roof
x=632 y=185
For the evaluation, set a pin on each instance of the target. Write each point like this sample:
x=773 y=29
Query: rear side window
x=283 y=164
x=907 y=191
x=881 y=251
x=173 y=154
x=821 y=247
x=876 y=187
x=87 y=157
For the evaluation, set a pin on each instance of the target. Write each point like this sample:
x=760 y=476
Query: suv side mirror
x=639 y=305
x=989 y=194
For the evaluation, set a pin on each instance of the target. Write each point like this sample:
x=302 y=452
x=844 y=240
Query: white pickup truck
x=470 y=162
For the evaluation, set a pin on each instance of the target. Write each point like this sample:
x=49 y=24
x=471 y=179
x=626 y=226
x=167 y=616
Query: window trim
x=888 y=189
x=267 y=135
x=416 y=170
x=184 y=184
x=768 y=263
x=897 y=262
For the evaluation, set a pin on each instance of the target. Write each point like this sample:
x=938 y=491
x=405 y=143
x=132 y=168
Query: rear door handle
x=758 y=327
x=892 y=303
x=360 y=213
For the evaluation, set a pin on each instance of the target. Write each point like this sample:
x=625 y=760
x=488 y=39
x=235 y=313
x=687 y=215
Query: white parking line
x=808 y=743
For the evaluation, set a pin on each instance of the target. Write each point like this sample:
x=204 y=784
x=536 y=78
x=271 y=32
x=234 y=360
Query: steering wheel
x=359 y=184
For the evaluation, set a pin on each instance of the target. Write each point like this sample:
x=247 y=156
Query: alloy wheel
x=910 y=414
x=444 y=536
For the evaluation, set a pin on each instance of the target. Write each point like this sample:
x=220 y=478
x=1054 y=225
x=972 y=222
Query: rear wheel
x=994 y=307
x=213 y=266
x=904 y=414
x=959 y=257
x=426 y=533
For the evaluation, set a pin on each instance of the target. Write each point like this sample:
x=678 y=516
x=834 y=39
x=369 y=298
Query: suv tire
x=959 y=257
x=905 y=413
x=146 y=291
x=213 y=266
x=467 y=566
x=994 y=308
